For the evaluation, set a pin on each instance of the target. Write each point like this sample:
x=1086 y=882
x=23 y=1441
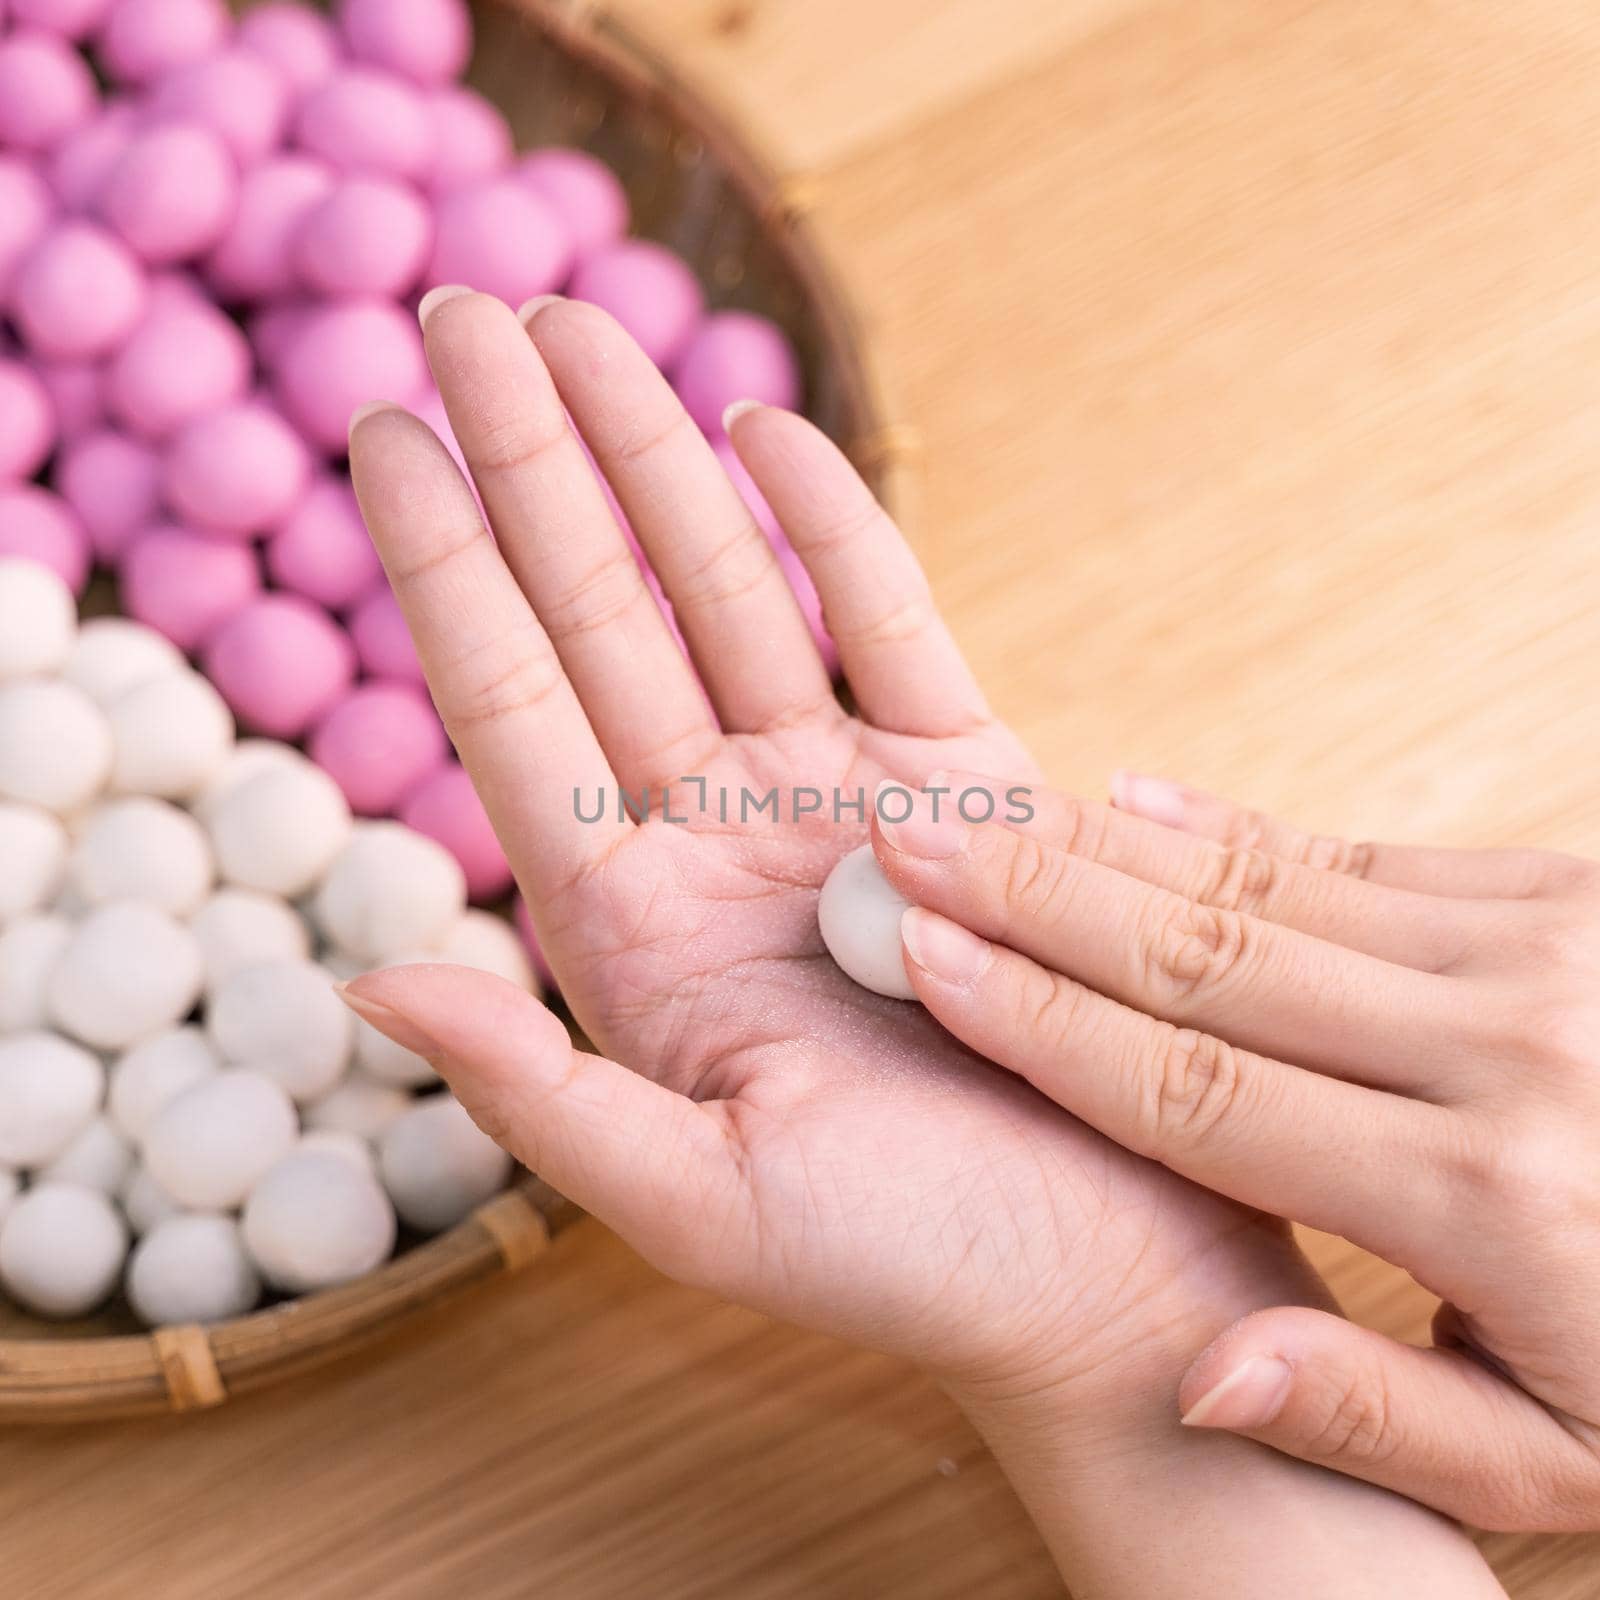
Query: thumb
x=1433 y=1424
x=647 y=1162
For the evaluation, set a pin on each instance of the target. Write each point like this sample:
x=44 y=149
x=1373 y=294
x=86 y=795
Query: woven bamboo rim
x=566 y=71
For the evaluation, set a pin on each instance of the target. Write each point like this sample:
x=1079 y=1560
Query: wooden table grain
x=1254 y=349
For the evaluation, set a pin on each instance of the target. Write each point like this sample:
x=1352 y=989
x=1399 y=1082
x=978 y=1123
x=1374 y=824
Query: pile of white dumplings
x=188 y=1111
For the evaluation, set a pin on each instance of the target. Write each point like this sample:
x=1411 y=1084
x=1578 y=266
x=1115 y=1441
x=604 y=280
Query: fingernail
x=1249 y=1397
x=941 y=946
x=920 y=833
x=388 y=1021
x=1154 y=799
x=529 y=309
x=370 y=409
x=434 y=298
x=732 y=413
x=963 y=794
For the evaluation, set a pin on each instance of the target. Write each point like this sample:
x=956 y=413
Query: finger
x=1432 y=1424
x=1261 y=986
x=649 y=1163
x=559 y=538
x=1397 y=925
x=1267 y=1134
x=903 y=667
x=1456 y=874
x=491 y=669
x=743 y=624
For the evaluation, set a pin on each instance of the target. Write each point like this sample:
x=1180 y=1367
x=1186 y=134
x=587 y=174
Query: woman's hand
x=1398 y=1045
x=778 y=1134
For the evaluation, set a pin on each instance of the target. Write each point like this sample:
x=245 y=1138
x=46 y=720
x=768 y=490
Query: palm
x=681 y=956
x=845 y=1161
x=695 y=958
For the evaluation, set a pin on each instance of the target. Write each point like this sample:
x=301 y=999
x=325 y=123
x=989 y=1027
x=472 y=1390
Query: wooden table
x=1254 y=347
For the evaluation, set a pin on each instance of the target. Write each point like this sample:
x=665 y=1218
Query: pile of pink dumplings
x=208 y=265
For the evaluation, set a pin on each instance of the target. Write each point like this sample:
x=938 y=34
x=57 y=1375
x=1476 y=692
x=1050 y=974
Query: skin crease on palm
x=777 y=1134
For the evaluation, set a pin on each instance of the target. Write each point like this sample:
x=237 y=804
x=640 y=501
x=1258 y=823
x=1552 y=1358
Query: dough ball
x=62 y=1249
x=346 y=1146
x=389 y=889
x=586 y=194
x=128 y=972
x=362 y=119
x=170 y=195
x=240 y=928
x=359 y=1106
x=859 y=915
x=252 y=259
x=145 y=1203
x=184 y=359
x=38 y=526
x=323 y=550
x=378 y=743
x=315 y=1220
x=735 y=355
x=281 y=662
x=234 y=93
x=151 y=1074
x=99 y=1158
x=50 y=1090
x=283 y=1020
x=46 y=90
x=382 y=639
x=171 y=735
x=245 y=760
x=75 y=390
x=30 y=946
x=427 y=41
x=146 y=850
x=446 y=807
x=79 y=164
x=113 y=484
x=186 y=585
x=143 y=38
x=33 y=858
x=71 y=19
x=343 y=355
x=38 y=619
x=438 y=1166
x=499 y=236
x=191 y=1268
x=369 y=235
x=280 y=830
x=27 y=424
x=345 y=966
x=209 y=1146
x=298 y=41
x=648 y=289
x=471 y=136
x=55 y=745
x=236 y=471
x=77 y=293
x=10 y=1188
x=26 y=210
x=113 y=655
x=487 y=943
